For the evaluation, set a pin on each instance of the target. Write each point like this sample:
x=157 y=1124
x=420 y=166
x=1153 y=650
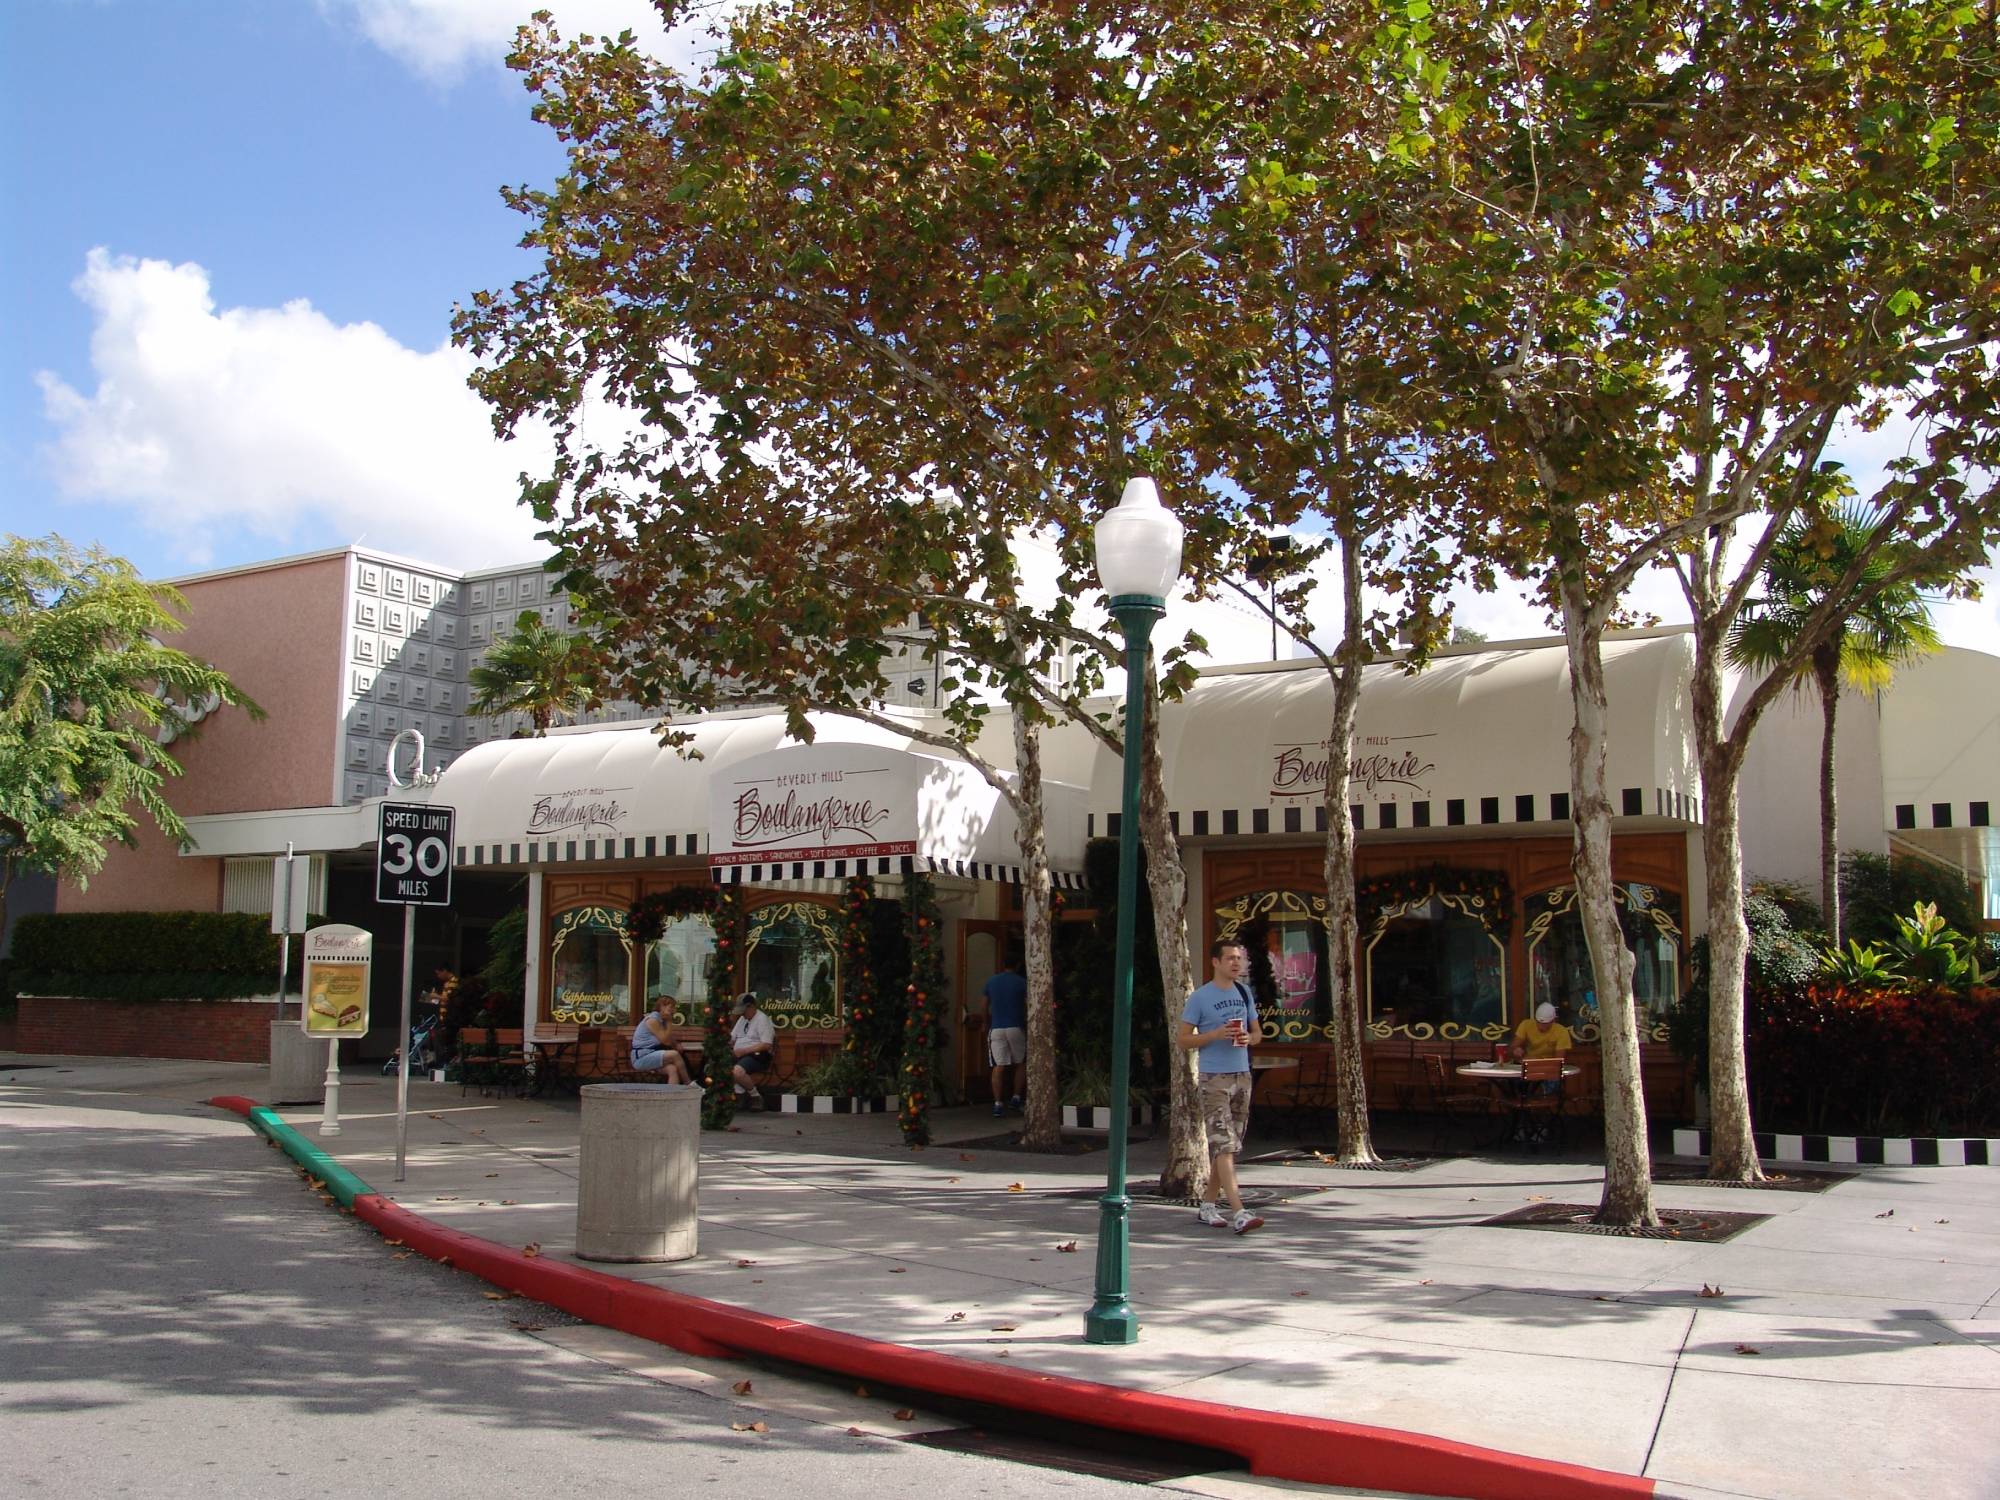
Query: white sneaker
x=1245 y=1221
x=1212 y=1214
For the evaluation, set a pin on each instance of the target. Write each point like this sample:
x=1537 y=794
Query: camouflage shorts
x=1225 y=1109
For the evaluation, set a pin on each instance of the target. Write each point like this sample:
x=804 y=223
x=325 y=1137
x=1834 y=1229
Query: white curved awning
x=615 y=794
x=1479 y=737
x=1941 y=761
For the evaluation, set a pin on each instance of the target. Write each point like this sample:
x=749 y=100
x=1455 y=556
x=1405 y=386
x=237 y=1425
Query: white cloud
x=444 y=39
x=278 y=421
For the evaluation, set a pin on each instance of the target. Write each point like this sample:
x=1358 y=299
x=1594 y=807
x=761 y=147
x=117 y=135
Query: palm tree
x=537 y=671
x=1864 y=651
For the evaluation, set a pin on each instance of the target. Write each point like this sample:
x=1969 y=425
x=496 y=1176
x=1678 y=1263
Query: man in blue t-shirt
x=1219 y=1024
x=1007 y=1034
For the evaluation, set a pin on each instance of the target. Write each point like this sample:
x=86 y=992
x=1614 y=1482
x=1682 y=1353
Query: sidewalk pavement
x=1847 y=1346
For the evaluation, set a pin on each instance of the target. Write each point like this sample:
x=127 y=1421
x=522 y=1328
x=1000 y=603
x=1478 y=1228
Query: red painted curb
x=1278 y=1446
x=1316 y=1450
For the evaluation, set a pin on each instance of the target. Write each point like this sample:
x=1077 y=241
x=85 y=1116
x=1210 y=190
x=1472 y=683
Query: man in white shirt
x=753 y=1040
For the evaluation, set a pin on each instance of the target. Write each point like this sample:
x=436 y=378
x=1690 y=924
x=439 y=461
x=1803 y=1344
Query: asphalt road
x=181 y=1315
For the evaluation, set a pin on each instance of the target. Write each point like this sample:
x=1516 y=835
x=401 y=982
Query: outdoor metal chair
x=1447 y=1099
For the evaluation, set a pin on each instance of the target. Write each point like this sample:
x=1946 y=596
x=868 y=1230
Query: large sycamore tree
x=90 y=700
x=1683 y=243
x=865 y=314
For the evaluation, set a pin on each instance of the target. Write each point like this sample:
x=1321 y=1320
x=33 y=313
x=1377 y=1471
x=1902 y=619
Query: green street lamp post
x=1138 y=561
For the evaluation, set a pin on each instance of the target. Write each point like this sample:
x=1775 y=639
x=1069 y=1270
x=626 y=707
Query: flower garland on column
x=926 y=993
x=718 y=1061
x=857 y=975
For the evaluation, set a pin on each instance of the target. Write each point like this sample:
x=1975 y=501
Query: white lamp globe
x=1139 y=544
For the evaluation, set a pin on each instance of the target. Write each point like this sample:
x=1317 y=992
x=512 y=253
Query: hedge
x=1826 y=1058
x=149 y=955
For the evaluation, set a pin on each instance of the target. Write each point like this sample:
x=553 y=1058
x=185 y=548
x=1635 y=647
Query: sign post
x=338 y=962
x=412 y=869
x=290 y=881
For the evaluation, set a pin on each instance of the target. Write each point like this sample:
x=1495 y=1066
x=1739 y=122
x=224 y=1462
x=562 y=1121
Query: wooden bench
x=491 y=1057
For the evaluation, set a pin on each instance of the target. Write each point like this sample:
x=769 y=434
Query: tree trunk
x=1185 y=1172
x=1826 y=672
x=1732 y=1147
x=1353 y=1143
x=1628 y=1165
x=1042 y=1125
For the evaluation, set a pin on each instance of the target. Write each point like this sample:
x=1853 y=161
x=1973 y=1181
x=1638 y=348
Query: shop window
x=1559 y=969
x=682 y=964
x=793 y=958
x=591 y=959
x=1435 y=968
x=1285 y=932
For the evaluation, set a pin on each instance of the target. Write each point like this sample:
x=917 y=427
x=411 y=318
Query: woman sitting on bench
x=650 y=1052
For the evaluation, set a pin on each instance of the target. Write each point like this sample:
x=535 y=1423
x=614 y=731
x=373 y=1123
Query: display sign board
x=413 y=855
x=339 y=960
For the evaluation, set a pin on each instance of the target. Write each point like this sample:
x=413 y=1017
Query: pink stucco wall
x=277 y=631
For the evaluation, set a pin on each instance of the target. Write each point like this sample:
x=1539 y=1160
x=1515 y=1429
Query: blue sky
x=233 y=234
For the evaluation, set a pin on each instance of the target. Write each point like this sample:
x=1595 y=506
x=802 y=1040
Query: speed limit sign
x=413 y=855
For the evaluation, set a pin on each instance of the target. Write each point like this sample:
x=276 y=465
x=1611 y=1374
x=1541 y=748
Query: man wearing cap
x=1542 y=1036
x=753 y=1040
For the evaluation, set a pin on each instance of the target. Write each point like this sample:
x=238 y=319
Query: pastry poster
x=338 y=962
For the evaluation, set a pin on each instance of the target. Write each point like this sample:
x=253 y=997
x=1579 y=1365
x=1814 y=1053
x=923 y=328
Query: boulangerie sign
x=815 y=803
x=1381 y=765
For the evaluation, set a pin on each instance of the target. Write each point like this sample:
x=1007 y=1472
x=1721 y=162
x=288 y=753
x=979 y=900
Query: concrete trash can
x=298 y=1065
x=636 y=1171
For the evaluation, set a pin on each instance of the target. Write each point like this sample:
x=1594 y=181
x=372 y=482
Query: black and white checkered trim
x=1858 y=1150
x=1457 y=812
x=842 y=869
x=1944 y=815
x=580 y=851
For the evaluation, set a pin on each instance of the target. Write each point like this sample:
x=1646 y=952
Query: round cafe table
x=1501 y=1076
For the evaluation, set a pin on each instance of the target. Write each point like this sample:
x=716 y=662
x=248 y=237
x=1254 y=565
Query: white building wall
x=1779 y=794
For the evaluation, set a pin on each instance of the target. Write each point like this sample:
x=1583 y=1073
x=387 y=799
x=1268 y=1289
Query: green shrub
x=844 y=1075
x=1776 y=955
x=1875 y=891
x=150 y=955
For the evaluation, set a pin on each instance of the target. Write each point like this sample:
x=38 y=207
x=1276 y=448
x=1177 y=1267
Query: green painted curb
x=343 y=1184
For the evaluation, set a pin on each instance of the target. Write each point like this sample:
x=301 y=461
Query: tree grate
x=1695 y=1226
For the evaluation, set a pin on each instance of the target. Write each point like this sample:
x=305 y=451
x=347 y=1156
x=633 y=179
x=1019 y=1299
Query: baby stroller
x=423 y=1053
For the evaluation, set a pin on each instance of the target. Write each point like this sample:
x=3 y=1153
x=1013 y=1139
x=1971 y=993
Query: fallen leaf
x=861 y=1390
x=1600 y=1298
x=1538 y=1197
x=956 y=1318
x=1002 y=1353
x=904 y=1414
x=964 y=1156
x=446 y=1198
x=492 y=1174
x=1748 y=1349
x=527 y=1327
x=897 y=1270
x=742 y=1426
x=534 y=1119
x=404 y=1254
x=510 y=1202
x=444 y=1260
x=951 y=1179
x=1887 y=1213
x=532 y=1249
x=756 y=1281
x=1068 y=1249
x=741 y=1388
x=1301 y=1294
x=1425 y=1282
x=742 y=1263
x=1005 y=1327
x=498 y=1296
x=1015 y=1187
x=856 y=1432
x=480 y=1204
x=1709 y=1291
x=1940 y=1221
x=392 y=1243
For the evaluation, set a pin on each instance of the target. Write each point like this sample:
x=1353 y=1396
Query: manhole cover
x=1790 y=1180
x=1699 y=1226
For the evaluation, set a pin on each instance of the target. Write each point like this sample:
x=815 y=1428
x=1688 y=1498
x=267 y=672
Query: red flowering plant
x=1828 y=1058
x=921 y=924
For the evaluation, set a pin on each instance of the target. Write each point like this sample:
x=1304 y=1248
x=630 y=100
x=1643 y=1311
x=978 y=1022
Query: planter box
x=830 y=1104
x=1858 y=1150
x=1098 y=1116
x=196 y=1030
